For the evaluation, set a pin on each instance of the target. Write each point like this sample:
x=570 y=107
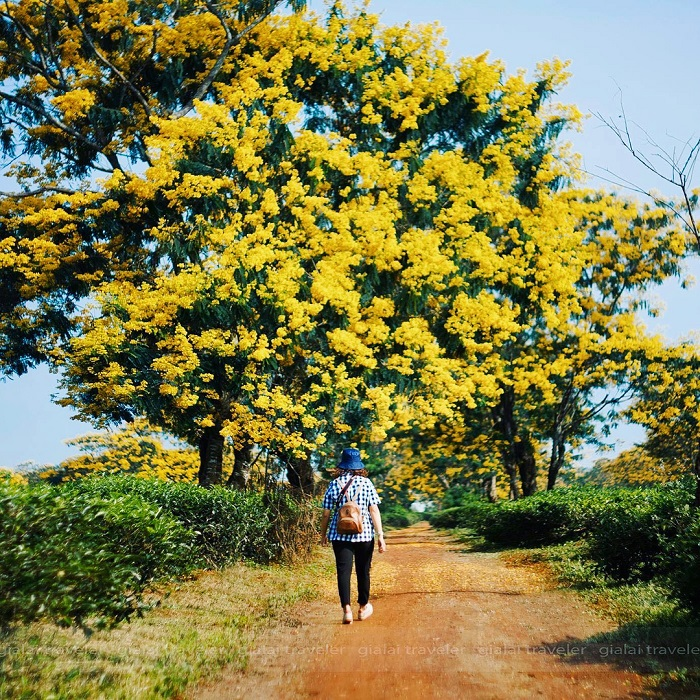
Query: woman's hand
x=324 y=526
x=377 y=522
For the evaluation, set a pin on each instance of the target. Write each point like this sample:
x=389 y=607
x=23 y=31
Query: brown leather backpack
x=349 y=520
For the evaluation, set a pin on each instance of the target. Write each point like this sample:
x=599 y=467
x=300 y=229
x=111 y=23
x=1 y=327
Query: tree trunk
x=514 y=492
x=519 y=456
x=242 y=463
x=211 y=457
x=696 y=471
x=489 y=486
x=527 y=464
x=300 y=474
x=556 y=461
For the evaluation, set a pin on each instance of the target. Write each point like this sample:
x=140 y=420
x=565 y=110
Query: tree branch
x=35 y=44
x=40 y=111
x=105 y=61
x=231 y=40
x=64 y=154
x=619 y=181
x=42 y=190
x=680 y=173
x=51 y=47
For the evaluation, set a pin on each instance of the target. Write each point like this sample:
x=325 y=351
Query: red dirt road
x=447 y=624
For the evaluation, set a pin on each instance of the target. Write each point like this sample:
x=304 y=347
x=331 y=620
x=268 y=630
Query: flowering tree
x=667 y=405
x=81 y=86
x=330 y=234
x=135 y=449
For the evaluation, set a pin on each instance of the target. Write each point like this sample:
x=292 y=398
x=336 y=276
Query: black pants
x=344 y=552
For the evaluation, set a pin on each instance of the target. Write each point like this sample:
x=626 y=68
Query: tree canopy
x=295 y=232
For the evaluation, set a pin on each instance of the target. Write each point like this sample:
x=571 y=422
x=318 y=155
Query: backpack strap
x=344 y=491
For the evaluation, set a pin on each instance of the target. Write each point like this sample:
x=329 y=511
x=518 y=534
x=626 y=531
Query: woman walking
x=352 y=485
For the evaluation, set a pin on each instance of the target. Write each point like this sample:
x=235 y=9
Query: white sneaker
x=365 y=612
x=347 y=617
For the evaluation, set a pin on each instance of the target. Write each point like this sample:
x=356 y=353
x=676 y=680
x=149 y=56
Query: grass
x=646 y=612
x=646 y=603
x=203 y=625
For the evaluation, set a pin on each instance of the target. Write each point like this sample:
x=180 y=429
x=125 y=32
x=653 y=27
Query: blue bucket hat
x=350 y=460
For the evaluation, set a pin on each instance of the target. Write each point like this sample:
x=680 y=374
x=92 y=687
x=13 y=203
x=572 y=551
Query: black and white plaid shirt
x=361 y=491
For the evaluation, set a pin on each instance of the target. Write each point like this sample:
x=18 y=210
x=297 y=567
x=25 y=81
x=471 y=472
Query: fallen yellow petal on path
x=448 y=623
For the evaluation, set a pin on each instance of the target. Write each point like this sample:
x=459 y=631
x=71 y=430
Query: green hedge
x=228 y=525
x=91 y=549
x=682 y=560
x=469 y=515
x=396 y=515
x=549 y=517
x=631 y=537
x=625 y=528
x=630 y=534
x=70 y=557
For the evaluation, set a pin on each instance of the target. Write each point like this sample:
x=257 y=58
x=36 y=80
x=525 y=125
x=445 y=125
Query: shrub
x=469 y=515
x=293 y=529
x=627 y=530
x=629 y=534
x=228 y=525
x=548 y=517
x=560 y=515
x=396 y=515
x=459 y=495
x=637 y=526
x=91 y=549
x=683 y=562
x=74 y=557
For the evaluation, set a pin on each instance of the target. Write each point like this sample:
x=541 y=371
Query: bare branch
x=623 y=134
x=619 y=181
x=607 y=401
x=689 y=207
x=692 y=159
x=681 y=170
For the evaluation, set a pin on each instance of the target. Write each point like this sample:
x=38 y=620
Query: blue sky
x=645 y=52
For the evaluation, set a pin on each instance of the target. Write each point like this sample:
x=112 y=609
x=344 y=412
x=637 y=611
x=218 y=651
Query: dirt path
x=446 y=624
